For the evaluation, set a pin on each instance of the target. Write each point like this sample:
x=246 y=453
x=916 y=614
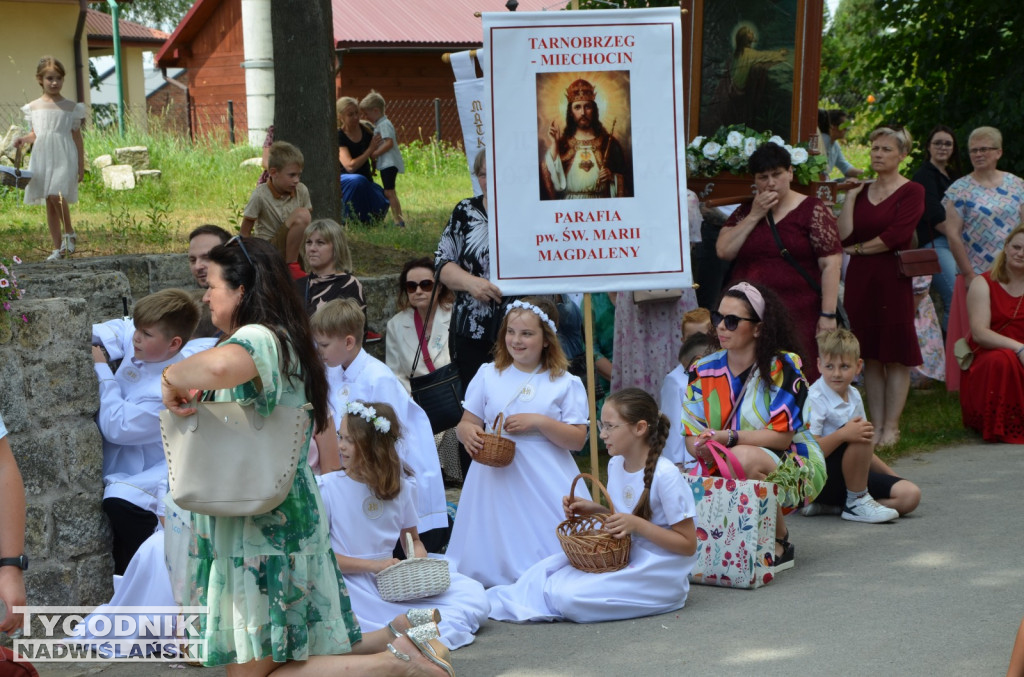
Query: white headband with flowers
x=533 y=309
x=369 y=414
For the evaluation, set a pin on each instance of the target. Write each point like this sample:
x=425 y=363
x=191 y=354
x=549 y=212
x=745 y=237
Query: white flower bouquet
x=729 y=149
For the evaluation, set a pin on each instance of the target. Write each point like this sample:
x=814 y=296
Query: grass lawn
x=203 y=183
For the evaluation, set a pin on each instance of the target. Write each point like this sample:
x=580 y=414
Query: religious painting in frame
x=753 y=62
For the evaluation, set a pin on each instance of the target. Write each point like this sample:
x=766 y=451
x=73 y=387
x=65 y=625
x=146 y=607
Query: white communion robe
x=368 y=379
x=655 y=581
x=367 y=527
x=507 y=517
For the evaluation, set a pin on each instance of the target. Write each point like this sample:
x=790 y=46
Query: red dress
x=879 y=302
x=809 y=232
x=992 y=390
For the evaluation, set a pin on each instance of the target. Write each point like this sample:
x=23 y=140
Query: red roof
x=100 y=26
x=381 y=24
x=423 y=24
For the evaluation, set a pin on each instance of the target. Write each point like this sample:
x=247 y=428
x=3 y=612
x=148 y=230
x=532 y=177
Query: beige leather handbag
x=227 y=460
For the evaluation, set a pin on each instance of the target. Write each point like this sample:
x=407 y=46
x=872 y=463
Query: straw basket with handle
x=14 y=177
x=587 y=545
x=498 y=451
x=413 y=578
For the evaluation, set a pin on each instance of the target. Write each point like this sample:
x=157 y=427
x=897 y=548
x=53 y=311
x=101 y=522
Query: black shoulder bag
x=438 y=393
x=841 y=319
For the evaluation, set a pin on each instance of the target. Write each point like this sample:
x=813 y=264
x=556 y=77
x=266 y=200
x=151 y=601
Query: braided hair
x=635 y=405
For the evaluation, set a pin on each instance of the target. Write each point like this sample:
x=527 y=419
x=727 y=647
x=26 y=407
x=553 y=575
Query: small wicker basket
x=14 y=177
x=585 y=542
x=413 y=578
x=498 y=451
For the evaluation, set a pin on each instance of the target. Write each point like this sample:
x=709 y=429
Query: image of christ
x=581 y=156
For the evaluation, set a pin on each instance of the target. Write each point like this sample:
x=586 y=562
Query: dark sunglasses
x=238 y=239
x=425 y=285
x=731 y=321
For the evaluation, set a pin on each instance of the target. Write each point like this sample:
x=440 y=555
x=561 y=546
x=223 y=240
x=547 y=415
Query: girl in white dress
x=661 y=522
x=368 y=507
x=507 y=516
x=57 y=161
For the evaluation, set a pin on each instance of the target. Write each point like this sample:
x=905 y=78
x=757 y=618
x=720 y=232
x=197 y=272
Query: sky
x=832 y=5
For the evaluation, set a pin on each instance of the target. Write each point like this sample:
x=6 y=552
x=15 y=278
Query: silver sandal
x=417 y=617
x=432 y=649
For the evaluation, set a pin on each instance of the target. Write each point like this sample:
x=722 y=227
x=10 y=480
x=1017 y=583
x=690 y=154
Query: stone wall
x=49 y=395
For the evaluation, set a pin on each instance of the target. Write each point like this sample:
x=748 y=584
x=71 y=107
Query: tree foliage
x=928 y=62
x=162 y=14
x=844 y=82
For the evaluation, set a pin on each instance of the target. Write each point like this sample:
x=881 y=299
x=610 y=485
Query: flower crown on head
x=533 y=309
x=369 y=414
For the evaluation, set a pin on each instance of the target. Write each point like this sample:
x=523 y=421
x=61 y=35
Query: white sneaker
x=55 y=255
x=70 y=239
x=815 y=509
x=867 y=509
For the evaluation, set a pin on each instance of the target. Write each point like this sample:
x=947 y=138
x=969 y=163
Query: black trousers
x=131 y=525
x=469 y=354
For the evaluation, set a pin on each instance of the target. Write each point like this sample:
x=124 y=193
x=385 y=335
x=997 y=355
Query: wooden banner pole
x=588 y=334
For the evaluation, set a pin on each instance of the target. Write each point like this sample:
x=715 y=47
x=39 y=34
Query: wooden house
x=70 y=31
x=393 y=46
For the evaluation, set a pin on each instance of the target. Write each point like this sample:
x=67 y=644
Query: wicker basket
x=587 y=545
x=498 y=451
x=413 y=578
x=14 y=177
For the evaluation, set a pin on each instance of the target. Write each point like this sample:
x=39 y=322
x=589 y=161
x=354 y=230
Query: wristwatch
x=20 y=561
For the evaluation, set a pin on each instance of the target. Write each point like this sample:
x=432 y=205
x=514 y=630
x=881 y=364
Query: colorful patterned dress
x=810 y=233
x=989 y=215
x=271 y=581
x=776 y=404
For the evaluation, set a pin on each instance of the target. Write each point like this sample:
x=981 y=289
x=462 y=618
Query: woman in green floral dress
x=277 y=601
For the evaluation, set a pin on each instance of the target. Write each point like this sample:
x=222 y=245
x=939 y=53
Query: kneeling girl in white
x=368 y=507
x=662 y=524
x=507 y=516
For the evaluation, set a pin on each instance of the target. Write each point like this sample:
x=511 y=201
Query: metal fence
x=422 y=119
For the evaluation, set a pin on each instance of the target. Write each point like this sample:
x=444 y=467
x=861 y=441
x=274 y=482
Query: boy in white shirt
x=856 y=477
x=673 y=392
x=354 y=374
x=134 y=468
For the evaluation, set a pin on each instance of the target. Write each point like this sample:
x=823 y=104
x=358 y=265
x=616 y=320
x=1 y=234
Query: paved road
x=938 y=593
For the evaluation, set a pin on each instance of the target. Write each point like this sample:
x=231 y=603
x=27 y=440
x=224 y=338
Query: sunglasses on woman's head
x=425 y=285
x=731 y=321
x=238 y=239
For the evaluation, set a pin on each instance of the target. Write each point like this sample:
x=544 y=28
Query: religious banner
x=586 y=168
x=469 y=99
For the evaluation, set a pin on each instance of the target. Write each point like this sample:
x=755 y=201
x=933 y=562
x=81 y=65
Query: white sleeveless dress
x=54 y=158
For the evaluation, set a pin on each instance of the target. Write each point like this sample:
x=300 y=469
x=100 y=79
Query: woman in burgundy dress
x=992 y=389
x=879 y=218
x=807 y=229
